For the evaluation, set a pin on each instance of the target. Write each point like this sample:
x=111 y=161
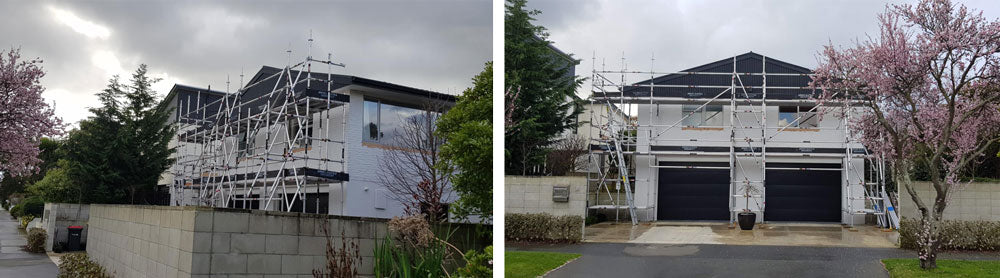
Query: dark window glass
x=370 y=129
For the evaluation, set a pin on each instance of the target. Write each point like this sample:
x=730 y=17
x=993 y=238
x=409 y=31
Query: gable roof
x=794 y=84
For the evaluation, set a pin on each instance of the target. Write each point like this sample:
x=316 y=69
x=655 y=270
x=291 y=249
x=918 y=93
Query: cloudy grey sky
x=437 y=45
x=685 y=34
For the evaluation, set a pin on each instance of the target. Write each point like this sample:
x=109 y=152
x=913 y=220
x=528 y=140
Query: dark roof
x=745 y=63
x=340 y=80
x=557 y=51
x=180 y=95
x=253 y=98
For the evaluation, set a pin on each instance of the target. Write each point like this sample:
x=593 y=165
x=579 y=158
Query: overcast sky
x=685 y=34
x=434 y=45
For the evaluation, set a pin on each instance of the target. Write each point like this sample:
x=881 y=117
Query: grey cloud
x=436 y=45
x=684 y=34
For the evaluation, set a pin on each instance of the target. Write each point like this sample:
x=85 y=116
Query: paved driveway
x=780 y=234
x=712 y=260
x=17 y=263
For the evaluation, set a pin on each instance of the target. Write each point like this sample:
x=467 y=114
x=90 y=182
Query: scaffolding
x=264 y=145
x=615 y=144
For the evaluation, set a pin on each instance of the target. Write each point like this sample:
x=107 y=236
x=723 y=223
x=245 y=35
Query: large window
x=708 y=115
x=384 y=121
x=797 y=116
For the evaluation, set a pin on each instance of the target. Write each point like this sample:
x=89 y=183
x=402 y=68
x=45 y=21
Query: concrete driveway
x=784 y=234
x=715 y=260
x=17 y=263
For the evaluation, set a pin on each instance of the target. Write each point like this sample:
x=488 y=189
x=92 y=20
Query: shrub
x=341 y=261
x=34 y=206
x=411 y=250
x=25 y=220
x=36 y=240
x=543 y=227
x=79 y=265
x=955 y=235
x=478 y=264
x=17 y=210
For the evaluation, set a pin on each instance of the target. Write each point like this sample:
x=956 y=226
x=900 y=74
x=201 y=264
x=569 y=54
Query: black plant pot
x=747 y=220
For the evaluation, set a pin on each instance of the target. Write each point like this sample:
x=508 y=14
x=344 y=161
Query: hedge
x=955 y=235
x=543 y=227
x=78 y=265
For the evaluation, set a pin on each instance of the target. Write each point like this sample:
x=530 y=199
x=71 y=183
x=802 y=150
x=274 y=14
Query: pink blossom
x=24 y=115
x=930 y=86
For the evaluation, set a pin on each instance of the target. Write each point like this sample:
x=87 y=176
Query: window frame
x=700 y=114
x=378 y=118
x=810 y=122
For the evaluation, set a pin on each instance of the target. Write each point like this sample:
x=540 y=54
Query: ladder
x=623 y=175
x=616 y=140
x=872 y=182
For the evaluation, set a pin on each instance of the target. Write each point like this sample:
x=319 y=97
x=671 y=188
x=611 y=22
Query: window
x=382 y=121
x=708 y=115
x=250 y=143
x=241 y=142
x=797 y=116
x=304 y=139
x=370 y=129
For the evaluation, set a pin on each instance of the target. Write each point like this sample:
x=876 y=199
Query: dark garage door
x=803 y=195
x=693 y=194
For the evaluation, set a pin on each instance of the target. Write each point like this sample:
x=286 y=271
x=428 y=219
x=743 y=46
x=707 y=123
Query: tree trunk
x=927 y=235
x=927 y=242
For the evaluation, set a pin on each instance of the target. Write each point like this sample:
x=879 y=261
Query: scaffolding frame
x=222 y=163
x=616 y=140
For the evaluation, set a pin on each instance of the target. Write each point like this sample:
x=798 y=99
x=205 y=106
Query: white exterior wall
x=646 y=187
x=362 y=195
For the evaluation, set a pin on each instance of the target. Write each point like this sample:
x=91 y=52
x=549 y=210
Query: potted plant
x=747 y=218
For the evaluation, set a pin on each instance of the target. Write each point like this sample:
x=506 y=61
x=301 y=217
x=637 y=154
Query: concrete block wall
x=976 y=201
x=534 y=195
x=58 y=217
x=159 y=241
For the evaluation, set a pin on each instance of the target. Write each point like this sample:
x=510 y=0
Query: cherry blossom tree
x=929 y=85
x=24 y=116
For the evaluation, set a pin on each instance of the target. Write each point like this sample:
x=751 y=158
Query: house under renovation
x=741 y=134
x=292 y=139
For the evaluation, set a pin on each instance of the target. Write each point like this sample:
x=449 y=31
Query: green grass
x=946 y=268
x=533 y=264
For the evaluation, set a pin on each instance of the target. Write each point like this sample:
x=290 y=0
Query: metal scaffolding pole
x=222 y=161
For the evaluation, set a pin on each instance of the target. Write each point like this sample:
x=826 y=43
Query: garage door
x=803 y=195
x=693 y=194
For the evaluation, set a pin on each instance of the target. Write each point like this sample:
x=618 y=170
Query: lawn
x=533 y=264
x=946 y=268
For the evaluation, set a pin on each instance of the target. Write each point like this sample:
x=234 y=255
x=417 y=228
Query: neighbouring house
x=705 y=134
x=594 y=116
x=294 y=140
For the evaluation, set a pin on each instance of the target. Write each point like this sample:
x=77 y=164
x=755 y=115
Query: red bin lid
x=76 y=227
